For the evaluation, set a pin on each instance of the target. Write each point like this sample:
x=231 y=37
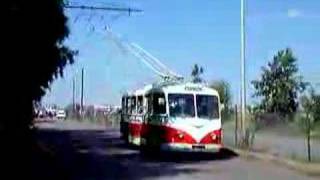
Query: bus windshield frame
x=181 y=105
x=207 y=106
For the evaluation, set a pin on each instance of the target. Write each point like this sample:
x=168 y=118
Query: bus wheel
x=145 y=150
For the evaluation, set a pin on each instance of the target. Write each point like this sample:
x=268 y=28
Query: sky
x=181 y=33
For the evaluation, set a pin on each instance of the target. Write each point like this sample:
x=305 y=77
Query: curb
x=312 y=169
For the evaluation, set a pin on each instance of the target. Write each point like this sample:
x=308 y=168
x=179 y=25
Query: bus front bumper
x=183 y=147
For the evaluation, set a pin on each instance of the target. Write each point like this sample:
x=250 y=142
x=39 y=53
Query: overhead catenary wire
x=146 y=62
x=159 y=63
x=150 y=61
x=127 y=47
x=147 y=59
x=103 y=8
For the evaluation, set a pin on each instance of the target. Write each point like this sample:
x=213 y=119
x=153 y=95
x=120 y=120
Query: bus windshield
x=207 y=106
x=181 y=105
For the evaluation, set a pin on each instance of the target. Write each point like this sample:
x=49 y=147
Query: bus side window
x=159 y=103
x=140 y=105
x=128 y=105
x=149 y=104
x=133 y=105
x=123 y=104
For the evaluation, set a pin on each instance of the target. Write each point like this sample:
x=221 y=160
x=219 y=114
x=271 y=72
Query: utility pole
x=73 y=95
x=82 y=74
x=236 y=126
x=243 y=67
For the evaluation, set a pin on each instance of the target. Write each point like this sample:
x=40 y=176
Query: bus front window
x=207 y=106
x=181 y=105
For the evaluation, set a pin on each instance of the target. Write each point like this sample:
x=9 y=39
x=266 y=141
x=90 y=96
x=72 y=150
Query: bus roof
x=143 y=91
x=186 y=88
x=139 y=92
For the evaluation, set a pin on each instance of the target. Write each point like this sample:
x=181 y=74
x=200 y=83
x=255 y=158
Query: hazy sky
x=182 y=33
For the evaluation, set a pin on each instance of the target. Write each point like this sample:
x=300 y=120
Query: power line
x=103 y=8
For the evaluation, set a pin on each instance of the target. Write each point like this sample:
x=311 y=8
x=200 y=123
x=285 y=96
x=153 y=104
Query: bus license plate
x=198 y=147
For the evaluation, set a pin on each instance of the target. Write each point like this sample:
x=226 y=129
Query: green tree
x=310 y=105
x=34 y=54
x=223 y=88
x=196 y=73
x=280 y=84
x=316 y=106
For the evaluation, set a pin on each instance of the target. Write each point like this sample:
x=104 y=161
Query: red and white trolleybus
x=173 y=117
x=133 y=113
x=171 y=114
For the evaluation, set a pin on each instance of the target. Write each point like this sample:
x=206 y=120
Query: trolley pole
x=243 y=68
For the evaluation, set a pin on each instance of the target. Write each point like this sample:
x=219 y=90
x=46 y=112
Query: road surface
x=93 y=152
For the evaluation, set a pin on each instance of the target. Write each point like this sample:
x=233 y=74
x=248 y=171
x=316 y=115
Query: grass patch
x=316 y=131
x=296 y=157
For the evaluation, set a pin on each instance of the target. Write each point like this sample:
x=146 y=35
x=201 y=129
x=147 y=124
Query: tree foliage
x=311 y=105
x=196 y=73
x=280 y=84
x=223 y=88
x=311 y=113
x=35 y=54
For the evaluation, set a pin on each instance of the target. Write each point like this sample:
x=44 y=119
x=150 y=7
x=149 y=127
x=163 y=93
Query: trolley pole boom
x=145 y=61
x=157 y=61
x=145 y=57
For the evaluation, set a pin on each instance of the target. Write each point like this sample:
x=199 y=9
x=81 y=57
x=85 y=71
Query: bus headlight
x=213 y=136
x=180 y=135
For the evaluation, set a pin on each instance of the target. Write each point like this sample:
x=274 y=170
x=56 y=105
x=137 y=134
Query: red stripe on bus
x=166 y=134
x=172 y=135
x=135 y=129
x=214 y=137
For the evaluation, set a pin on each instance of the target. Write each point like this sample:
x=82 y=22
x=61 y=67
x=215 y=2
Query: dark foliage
x=223 y=88
x=33 y=56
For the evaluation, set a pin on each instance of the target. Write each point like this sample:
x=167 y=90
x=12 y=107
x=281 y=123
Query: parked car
x=61 y=114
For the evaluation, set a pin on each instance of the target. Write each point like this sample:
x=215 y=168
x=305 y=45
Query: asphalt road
x=93 y=152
